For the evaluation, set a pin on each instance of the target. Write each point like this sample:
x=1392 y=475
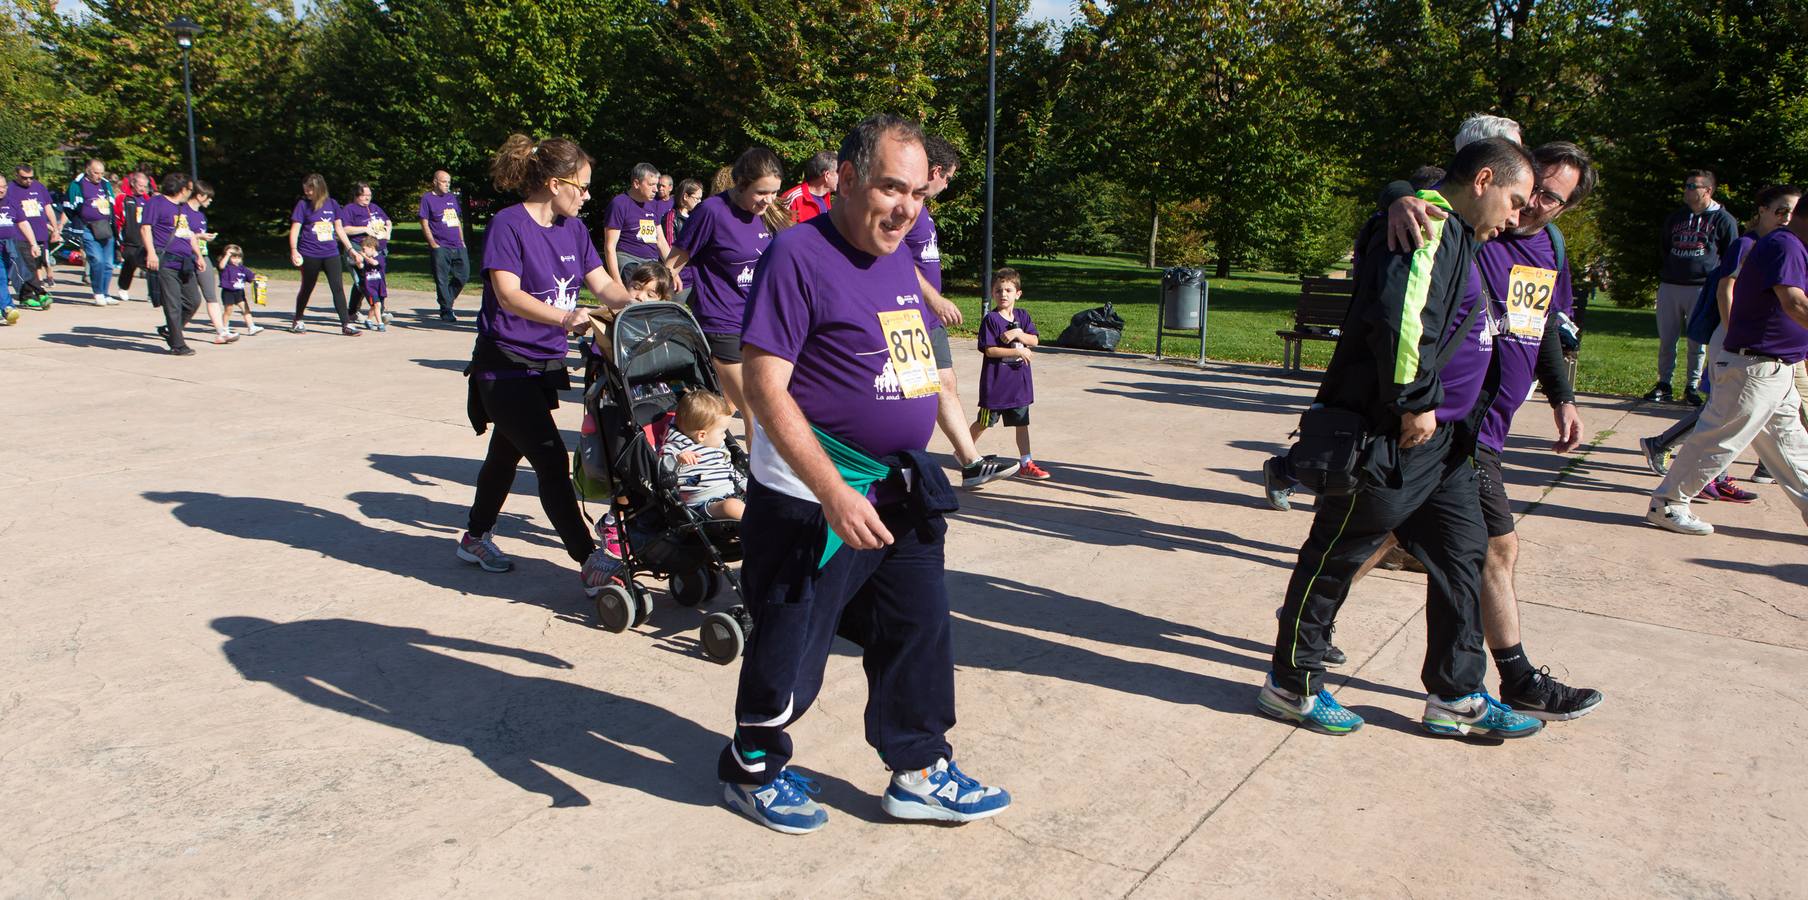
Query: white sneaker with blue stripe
x=784 y=805
x=1476 y=715
x=941 y=793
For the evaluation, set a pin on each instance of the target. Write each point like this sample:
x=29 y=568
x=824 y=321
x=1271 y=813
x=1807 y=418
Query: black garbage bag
x=1099 y=328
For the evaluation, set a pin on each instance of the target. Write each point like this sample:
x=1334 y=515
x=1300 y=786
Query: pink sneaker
x=1727 y=489
x=610 y=534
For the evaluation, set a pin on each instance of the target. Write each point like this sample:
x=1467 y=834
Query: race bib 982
x=1529 y=290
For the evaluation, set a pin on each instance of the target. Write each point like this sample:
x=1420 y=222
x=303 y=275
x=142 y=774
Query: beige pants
x=1801 y=387
x=1755 y=403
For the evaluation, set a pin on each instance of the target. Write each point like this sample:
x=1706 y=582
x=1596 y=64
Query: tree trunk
x=1154 y=229
x=1223 y=269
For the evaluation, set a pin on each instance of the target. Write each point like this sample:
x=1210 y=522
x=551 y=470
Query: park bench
x=1323 y=303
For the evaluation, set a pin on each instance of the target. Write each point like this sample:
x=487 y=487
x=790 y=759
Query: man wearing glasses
x=1695 y=237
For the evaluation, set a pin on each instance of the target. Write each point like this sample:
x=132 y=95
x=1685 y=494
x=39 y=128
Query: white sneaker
x=102 y=300
x=1676 y=517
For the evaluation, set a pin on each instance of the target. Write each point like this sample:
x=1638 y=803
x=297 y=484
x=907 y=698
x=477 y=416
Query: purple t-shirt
x=1004 y=383
x=817 y=302
x=9 y=224
x=166 y=217
x=725 y=243
x=1758 y=322
x=551 y=262
x=97 y=204
x=193 y=220
x=236 y=277
x=374 y=283
x=30 y=205
x=1525 y=273
x=921 y=239
x=369 y=216
x=319 y=240
x=1464 y=375
x=445 y=218
x=639 y=225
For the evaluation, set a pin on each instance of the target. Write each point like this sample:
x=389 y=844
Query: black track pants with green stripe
x=1436 y=515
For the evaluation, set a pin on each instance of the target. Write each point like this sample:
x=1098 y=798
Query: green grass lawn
x=410 y=267
x=1619 y=346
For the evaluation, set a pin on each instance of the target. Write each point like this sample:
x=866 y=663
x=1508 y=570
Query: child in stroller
x=646 y=359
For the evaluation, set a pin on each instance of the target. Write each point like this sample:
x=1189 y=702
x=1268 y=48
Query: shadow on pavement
x=1090 y=526
x=93 y=337
x=517 y=725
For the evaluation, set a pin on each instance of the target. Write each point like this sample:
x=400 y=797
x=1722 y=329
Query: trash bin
x=1182 y=298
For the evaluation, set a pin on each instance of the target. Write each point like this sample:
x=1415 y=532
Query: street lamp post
x=991 y=118
x=185 y=30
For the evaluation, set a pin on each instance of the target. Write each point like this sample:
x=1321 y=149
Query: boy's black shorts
x=1013 y=417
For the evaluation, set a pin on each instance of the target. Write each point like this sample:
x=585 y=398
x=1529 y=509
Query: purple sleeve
x=618 y=214
x=702 y=226
x=988 y=332
x=778 y=314
x=1792 y=267
x=1029 y=324
x=425 y=213
x=301 y=211
x=502 y=247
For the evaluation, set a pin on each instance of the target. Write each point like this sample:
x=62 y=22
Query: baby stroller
x=643 y=360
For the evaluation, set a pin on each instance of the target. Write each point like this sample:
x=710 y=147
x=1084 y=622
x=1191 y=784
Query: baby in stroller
x=696 y=450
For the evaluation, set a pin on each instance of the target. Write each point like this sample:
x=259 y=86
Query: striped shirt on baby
x=712 y=477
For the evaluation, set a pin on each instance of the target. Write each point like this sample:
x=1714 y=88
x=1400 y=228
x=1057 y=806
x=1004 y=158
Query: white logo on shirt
x=886 y=385
x=909 y=299
x=565 y=296
x=745 y=278
x=568 y=259
x=932 y=251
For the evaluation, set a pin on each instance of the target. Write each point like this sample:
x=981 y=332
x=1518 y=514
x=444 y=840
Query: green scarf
x=858 y=470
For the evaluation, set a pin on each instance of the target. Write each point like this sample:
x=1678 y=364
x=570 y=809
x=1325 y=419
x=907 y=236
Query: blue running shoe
x=942 y=793
x=784 y=805
x=1478 y=715
x=1320 y=712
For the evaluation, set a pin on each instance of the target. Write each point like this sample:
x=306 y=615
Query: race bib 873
x=912 y=356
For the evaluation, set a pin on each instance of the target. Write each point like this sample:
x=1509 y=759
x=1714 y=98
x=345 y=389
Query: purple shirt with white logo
x=194 y=219
x=1758 y=323
x=166 y=216
x=639 y=225
x=551 y=262
x=1464 y=375
x=816 y=302
x=97 y=201
x=30 y=205
x=236 y=277
x=319 y=240
x=369 y=216
x=921 y=239
x=1004 y=383
x=1531 y=301
x=725 y=243
x=445 y=219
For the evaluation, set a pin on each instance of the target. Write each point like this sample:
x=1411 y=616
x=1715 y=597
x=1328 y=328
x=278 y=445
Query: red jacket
x=804 y=205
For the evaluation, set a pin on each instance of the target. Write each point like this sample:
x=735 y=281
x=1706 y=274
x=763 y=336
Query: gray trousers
x=1674 y=302
x=1754 y=403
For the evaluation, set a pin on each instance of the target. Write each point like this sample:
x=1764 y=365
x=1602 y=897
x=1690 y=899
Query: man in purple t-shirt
x=1754 y=400
x=843 y=527
x=33 y=210
x=442 y=224
x=173 y=252
x=90 y=195
x=631 y=234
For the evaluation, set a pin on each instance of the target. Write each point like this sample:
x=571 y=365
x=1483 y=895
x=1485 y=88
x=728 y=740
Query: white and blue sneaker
x=1320 y=712
x=784 y=805
x=1476 y=715
x=941 y=793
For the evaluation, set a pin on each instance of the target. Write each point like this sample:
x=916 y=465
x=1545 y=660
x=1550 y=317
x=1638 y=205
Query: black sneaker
x=1276 y=483
x=447 y=317
x=1334 y=657
x=1658 y=394
x=988 y=468
x=182 y=351
x=1693 y=397
x=1544 y=697
x=1761 y=475
x=163 y=332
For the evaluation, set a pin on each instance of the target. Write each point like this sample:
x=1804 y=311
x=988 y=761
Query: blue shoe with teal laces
x=1320 y=712
x=784 y=805
x=1476 y=715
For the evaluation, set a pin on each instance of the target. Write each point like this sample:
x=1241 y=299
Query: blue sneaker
x=1320 y=712
x=1477 y=714
x=942 y=793
x=784 y=805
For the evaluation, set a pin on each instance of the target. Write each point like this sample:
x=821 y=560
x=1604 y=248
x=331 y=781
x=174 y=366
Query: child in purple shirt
x=1006 y=389
x=235 y=280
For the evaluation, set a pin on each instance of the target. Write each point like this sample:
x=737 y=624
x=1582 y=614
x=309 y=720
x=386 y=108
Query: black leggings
x=521 y=425
x=131 y=260
x=310 y=271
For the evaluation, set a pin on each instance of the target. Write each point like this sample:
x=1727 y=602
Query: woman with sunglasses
x=537 y=255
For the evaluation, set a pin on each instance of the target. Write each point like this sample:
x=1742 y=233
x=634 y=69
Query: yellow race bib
x=323 y=231
x=182 y=227
x=1529 y=290
x=379 y=229
x=101 y=204
x=649 y=232
x=31 y=208
x=912 y=357
x=449 y=218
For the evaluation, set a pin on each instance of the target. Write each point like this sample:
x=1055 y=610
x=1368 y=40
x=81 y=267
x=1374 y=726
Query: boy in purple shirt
x=442 y=224
x=1006 y=389
x=1754 y=400
x=844 y=520
x=631 y=233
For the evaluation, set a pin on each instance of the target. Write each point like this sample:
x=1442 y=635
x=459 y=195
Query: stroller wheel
x=724 y=635
x=694 y=587
x=643 y=603
x=617 y=607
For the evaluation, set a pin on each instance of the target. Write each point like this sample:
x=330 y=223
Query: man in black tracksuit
x=1419 y=480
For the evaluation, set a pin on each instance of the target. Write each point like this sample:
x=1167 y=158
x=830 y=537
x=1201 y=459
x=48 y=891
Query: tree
x=32 y=98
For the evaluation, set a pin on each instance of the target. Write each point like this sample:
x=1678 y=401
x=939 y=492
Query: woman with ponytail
x=536 y=256
x=315 y=235
x=723 y=242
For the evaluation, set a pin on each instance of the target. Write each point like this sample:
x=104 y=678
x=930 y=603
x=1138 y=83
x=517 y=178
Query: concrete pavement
x=241 y=660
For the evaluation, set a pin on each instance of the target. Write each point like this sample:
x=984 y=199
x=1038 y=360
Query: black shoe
x=182 y=351
x=1761 y=475
x=988 y=468
x=1334 y=656
x=1658 y=394
x=163 y=332
x=1543 y=697
x=447 y=317
x=1693 y=397
x=1276 y=483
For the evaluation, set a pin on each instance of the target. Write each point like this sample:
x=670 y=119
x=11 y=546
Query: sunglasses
x=582 y=189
